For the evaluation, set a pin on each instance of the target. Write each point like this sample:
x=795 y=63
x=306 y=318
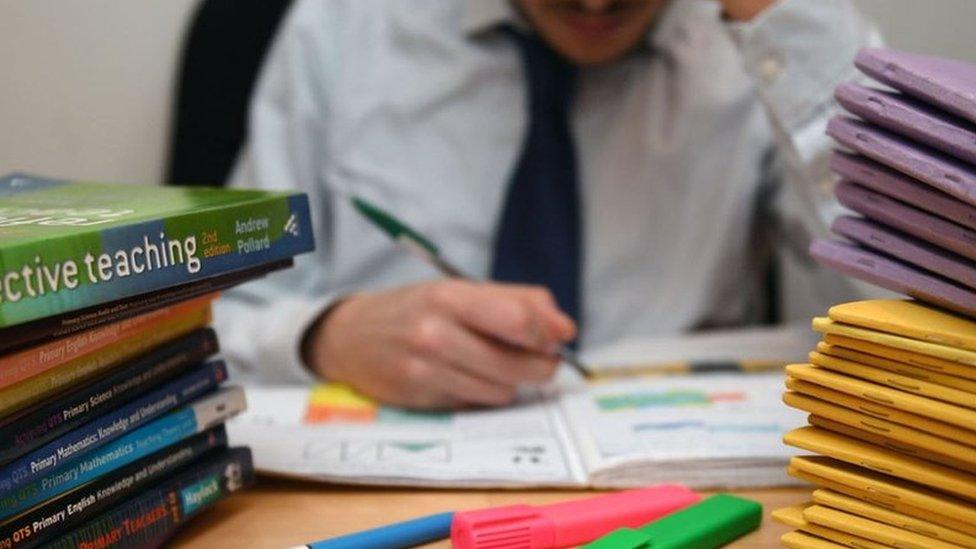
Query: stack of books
x=911 y=177
x=891 y=388
x=111 y=405
x=891 y=393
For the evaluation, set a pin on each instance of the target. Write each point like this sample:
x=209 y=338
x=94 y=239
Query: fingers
x=470 y=390
x=525 y=316
x=558 y=324
x=468 y=351
x=428 y=384
x=441 y=345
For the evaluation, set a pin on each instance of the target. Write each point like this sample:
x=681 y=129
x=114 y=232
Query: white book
x=720 y=430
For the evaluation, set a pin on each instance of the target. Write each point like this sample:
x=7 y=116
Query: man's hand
x=744 y=10
x=443 y=344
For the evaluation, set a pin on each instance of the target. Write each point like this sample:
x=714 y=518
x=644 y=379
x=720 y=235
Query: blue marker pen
x=395 y=536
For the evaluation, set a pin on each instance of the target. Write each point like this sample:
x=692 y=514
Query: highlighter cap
x=565 y=524
x=714 y=522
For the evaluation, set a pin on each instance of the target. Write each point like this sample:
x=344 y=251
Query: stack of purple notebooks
x=911 y=175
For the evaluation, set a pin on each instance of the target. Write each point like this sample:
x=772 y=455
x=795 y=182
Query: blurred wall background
x=85 y=85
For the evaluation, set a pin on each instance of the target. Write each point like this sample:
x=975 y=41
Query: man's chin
x=593 y=40
x=592 y=54
x=588 y=35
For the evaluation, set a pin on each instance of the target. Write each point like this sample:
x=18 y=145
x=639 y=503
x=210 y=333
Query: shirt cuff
x=798 y=51
x=263 y=343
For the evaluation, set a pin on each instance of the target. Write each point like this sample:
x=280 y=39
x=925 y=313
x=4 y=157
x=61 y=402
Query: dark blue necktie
x=538 y=240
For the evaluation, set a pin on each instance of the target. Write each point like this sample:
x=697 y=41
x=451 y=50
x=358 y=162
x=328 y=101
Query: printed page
x=708 y=431
x=330 y=433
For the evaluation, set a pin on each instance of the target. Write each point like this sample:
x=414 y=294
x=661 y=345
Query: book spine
x=154 y=517
x=169 y=429
x=58 y=516
x=31 y=362
x=79 y=442
x=129 y=260
x=42 y=423
x=32 y=390
x=25 y=335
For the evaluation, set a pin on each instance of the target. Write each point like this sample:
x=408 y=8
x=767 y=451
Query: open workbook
x=706 y=430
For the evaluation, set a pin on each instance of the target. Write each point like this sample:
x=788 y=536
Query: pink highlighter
x=566 y=524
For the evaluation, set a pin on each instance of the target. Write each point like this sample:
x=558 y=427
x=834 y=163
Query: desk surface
x=280 y=514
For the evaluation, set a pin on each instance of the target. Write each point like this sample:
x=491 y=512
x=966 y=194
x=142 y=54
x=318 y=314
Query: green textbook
x=67 y=245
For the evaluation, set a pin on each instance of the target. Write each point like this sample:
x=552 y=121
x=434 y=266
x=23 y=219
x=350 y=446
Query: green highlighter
x=711 y=523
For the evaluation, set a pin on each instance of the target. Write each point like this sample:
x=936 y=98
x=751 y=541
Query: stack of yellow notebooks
x=891 y=393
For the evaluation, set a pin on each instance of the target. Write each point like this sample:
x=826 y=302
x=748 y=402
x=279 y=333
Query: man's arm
x=438 y=344
x=797 y=52
x=744 y=10
x=259 y=322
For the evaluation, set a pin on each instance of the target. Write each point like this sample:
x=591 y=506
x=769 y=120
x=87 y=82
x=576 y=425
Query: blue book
x=74 y=509
x=151 y=519
x=33 y=427
x=173 y=427
x=127 y=418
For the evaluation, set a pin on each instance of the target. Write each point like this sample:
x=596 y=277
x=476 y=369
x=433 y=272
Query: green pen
x=423 y=248
x=711 y=523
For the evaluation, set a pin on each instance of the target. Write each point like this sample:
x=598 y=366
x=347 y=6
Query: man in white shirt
x=669 y=132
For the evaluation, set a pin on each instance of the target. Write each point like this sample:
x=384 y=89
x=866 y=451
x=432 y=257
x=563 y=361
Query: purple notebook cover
x=911 y=118
x=906 y=248
x=893 y=275
x=917 y=223
x=870 y=174
x=921 y=162
x=946 y=83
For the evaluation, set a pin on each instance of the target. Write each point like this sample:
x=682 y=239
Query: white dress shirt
x=420 y=107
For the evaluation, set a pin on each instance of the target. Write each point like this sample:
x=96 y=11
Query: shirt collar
x=480 y=16
x=676 y=23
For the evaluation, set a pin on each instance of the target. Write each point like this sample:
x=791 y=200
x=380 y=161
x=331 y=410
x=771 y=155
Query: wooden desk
x=280 y=514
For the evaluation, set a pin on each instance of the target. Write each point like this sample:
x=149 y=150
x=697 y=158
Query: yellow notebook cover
x=942 y=411
x=793 y=517
x=880 y=411
x=36 y=388
x=827 y=326
x=915 y=438
x=880 y=501
x=800 y=540
x=893 y=380
x=909 y=370
x=871 y=511
x=880 y=533
x=879 y=459
x=909 y=319
x=927 y=362
x=885 y=491
x=963 y=462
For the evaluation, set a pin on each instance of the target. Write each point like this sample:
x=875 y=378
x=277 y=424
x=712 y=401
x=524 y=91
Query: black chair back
x=222 y=55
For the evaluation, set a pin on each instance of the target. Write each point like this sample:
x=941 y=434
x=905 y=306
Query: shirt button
x=827 y=186
x=769 y=68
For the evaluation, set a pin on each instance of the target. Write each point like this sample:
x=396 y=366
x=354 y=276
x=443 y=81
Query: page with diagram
x=705 y=431
x=329 y=433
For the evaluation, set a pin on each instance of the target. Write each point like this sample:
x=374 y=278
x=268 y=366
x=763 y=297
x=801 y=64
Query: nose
x=596 y=5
